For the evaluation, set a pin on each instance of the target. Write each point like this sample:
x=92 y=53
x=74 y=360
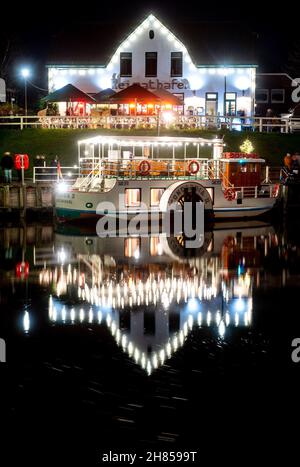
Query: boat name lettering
x=64 y=201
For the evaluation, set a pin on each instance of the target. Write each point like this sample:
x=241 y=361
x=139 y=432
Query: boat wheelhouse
x=144 y=175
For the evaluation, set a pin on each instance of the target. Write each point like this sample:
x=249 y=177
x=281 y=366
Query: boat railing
x=262 y=191
x=154 y=168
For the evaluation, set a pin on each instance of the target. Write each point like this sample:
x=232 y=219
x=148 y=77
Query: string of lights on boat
x=166 y=141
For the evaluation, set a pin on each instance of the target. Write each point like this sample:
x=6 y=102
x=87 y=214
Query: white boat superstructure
x=144 y=175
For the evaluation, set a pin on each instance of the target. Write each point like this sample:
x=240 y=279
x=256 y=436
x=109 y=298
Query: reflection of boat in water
x=139 y=175
x=149 y=248
x=149 y=294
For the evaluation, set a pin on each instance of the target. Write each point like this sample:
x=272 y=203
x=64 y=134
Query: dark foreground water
x=137 y=345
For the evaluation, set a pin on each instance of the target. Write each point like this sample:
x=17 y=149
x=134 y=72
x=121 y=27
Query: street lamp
x=25 y=74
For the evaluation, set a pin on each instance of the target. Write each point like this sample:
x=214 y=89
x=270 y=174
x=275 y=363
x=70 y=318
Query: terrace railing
x=259 y=124
x=53 y=174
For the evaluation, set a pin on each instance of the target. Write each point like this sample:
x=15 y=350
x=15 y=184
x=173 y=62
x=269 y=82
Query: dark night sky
x=34 y=28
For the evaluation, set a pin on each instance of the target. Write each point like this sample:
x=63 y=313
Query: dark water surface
x=139 y=344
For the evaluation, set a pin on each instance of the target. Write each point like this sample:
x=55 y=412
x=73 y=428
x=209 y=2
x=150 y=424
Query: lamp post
x=25 y=74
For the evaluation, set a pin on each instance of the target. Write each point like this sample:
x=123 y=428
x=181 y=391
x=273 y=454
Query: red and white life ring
x=229 y=194
x=193 y=167
x=144 y=168
x=22 y=270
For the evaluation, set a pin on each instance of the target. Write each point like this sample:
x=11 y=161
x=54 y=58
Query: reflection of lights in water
x=130 y=349
x=110 y=293
x=154 y=359
x=199 y=319
x=81 y=315
x=26 y=322
x=54 y=314
x=72 y=315
x=208 y=318
x=236 y=319
x=99 y=316
x=193 y=305
x=61 y=256
x=240 y=304
x=221 y=329
x=162 y=356
x=91 y=316
x=227 y=318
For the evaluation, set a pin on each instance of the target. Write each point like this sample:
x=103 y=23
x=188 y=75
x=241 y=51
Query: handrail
x=261 y=124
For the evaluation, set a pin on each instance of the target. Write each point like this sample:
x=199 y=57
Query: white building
x=154 y=57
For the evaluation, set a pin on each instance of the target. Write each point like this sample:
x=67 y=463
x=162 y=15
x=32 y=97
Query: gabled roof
x=69 y=93
x=132 y=93
x=208 y=43
x=166 y=97
x=103 y=96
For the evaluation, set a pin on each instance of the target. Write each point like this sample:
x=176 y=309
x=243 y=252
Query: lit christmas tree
x=247 y=147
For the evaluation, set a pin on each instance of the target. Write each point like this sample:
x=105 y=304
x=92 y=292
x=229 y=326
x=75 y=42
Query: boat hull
x=90 y=205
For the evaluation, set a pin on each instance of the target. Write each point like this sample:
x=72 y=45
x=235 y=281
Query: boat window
x=155 y=196
x=156 y=248
x=132 y=197
x=132 y=247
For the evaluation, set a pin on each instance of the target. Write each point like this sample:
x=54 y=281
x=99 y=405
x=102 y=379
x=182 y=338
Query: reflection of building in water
x=150 y=292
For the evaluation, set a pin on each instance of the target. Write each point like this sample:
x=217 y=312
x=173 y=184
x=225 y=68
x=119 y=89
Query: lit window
x=151 y=64
x=176 y=64
x=132 y=197
x=156 y=248
x=230 y=103
x=125 y=64
x=132 y=248
x=277 y=96
x=155 y=196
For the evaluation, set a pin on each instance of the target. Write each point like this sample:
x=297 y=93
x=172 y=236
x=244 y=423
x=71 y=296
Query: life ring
x=193 y=167
x=229 y=194
x=144 y=168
